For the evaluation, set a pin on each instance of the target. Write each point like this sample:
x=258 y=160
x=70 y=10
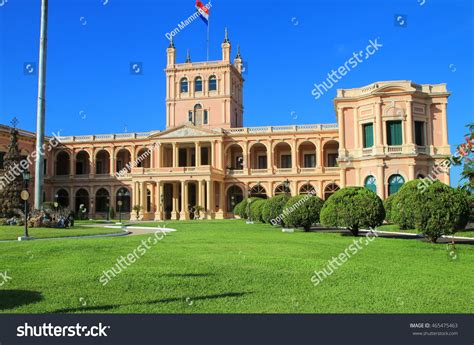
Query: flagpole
x=208 y=25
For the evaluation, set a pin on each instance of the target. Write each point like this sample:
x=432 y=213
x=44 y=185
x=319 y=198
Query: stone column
x=159 y=214
x=357 y=145
x=174 y=212
x=444 y=122
x=175 y=155
x=294 y=156
x=378 y=127
x=210 y=199
x=72 y=163
x=184 y=214
x=112 y=162
x=158 y=163
x=143 y=198
x=411 y=172
x=409 y=123
x=202 y=196
x=380 y=180
x=319 y=153
x=270 y=156
x=92 y=163
x=319 y=191
x=197 y=155
x=221 y=212
x=342 y=177
x=341 y=131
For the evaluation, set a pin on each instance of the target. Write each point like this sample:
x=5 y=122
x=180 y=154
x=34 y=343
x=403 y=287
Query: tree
x=388 y=205
x=353 y=208
x=273 y=208
x=11 y=182
x=463 y=151
x=404 y=203
x=303 y=210
x=442 y=210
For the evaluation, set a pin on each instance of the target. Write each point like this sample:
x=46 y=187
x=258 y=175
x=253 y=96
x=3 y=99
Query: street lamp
x=24 y=196
x=286 y=185
x=232 y=204
x=119 y=203
x=108 y=208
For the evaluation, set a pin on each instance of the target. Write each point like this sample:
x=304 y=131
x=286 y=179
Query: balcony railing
x=284 y=170
x=367 y=151
x=277 y=129
x=258 y=171
x=307 y=170
x=393 y=149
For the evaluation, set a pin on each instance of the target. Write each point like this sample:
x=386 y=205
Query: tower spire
x=238 y=52
x=226 y=37
x=171 y=43
x=188 y=57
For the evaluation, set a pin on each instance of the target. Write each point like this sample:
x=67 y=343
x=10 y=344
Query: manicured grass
x=396 y=228
x=231 y=267
x=13 y=232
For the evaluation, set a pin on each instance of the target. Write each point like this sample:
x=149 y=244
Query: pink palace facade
x=386 y=133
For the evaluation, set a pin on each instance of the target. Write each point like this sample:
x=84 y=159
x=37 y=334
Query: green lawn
x=231 y=267
x=396 y=228
x=13 y=232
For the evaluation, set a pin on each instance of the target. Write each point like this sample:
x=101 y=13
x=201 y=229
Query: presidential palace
x=387 y=133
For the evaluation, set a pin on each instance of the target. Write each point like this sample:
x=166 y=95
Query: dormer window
x=212 y=83
x=183 y=85
x=198 y=84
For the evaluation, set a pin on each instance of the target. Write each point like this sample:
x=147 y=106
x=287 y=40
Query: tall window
x=309 y=160
x=206 y=117
x=420 y=133
x=183 y=85
x=212 y=83
x=262 y=162
x=198 y=84
x=394 y=133
x=286 y=161
x=198 y=115
x=370 y=183
x=368 y=130
x=190 y=116
x=332 y=159
x=395 y=182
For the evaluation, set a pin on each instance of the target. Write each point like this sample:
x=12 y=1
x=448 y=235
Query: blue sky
x=288 y=45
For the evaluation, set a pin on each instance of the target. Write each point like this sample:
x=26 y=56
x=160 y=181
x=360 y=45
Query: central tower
x=206 y=94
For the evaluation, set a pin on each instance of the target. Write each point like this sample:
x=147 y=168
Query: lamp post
x=232 y=204
x=119 y=203
x=108 y=208
x=24 y=196
x=286 y=185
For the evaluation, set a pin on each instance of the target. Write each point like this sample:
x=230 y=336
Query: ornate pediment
x=187 y=131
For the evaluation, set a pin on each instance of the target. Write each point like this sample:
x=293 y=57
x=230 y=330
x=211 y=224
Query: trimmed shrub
x=470 y=201
x=302 y=211
x=242 y=207
x=274 y=208
x=387 y=205
x=238 y=208
x=442 y=210
x=404 y=203
x=353 y=208
x=256 y=208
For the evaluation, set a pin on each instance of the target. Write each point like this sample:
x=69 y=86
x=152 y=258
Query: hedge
x=302 y=211
x=273 y=208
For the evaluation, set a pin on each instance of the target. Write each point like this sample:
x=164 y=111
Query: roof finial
x=226 y=37
x=171 y=43
x=188 y=57
x=238 y=52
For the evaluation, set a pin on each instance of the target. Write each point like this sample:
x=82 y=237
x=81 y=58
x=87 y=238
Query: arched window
x=198 y=84
x=395 y=182
x=370 y=183
x=281 y=189
x=122 y=195
x=62 y=163
x=212 y=83
x=307 y=189
x=82 y=198
x=102 y=200
x=330 y=190
x=258 y=191
x=183 y=85
x=62 y=198
x=198 y=117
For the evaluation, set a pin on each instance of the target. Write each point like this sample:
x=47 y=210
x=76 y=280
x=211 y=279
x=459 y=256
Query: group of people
x=60 y=222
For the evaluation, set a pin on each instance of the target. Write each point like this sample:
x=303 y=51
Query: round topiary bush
x=302 y=211
x=238 y=208
x=404 y=203
x=273 y=208
x=387 y=205
x=353 y=208
x=256 y=208
x=442 y=210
